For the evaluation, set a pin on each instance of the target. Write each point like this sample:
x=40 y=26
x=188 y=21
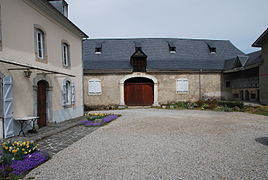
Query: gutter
x=26 y=66
x=242 y=68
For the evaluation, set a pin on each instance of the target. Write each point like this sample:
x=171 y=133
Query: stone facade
x=201 y=85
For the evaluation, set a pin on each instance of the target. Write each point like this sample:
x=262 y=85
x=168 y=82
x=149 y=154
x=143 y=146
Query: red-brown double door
x=42 y=103
x=139 y=94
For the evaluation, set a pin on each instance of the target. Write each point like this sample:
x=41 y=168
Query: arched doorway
x=139 y=91
x=42 y=87
x=139 y=75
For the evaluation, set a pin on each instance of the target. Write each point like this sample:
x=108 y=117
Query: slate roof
x=191 y=54
x=244 y=61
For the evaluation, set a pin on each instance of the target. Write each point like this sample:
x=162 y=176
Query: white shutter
x=73 y=93
x=182 y=85
x=94 y=86
x=186 y=88
x=7 y=106
x=64 y=100
x=98 y=87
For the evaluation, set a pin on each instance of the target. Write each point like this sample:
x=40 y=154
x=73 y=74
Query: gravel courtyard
x=166 y=144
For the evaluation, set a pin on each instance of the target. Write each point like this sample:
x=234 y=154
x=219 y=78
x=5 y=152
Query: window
x=172 y=47
x=172 y=50
x=68 y=92
x=213 y=50
x=65 y=55
x=98 y=50
x=40 y=43
x=182 y=85
x=94 y=87
x=228 y=84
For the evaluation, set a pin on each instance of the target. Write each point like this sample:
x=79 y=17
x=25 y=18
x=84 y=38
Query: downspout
x=200 y=93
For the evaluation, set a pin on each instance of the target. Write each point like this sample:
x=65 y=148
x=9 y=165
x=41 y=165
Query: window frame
x=40 y=44
x=95 y=92
x=68 y=92
x=182 y=80
x=66 y=60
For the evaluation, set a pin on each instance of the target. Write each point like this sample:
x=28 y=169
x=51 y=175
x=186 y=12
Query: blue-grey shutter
x=64 y=93
x=7 y=106
x=73 y=93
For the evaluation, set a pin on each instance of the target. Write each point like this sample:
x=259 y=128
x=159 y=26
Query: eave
x=261 y=40
x=242 y=68
x=53 y=13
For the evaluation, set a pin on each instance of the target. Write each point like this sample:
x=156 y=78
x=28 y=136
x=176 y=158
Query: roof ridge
x=151 y=38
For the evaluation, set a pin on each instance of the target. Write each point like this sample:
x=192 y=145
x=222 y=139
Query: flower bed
x=19 y=158
x=98 y=119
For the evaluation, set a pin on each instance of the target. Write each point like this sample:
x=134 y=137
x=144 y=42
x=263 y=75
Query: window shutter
x=182 y=85
x=64 y=100
x=73 y=93
x=186 y=88
x=94 y=87
x=7 y=106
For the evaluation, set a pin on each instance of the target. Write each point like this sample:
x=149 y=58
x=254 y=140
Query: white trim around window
x=40 y=50
x=68 y=92
x=65 y=55
x=94 y=87
x=182 y=85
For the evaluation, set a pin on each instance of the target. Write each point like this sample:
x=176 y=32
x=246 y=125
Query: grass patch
x=262 y=110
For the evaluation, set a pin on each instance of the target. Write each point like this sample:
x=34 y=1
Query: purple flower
x=90 y=123
x=29 y=162
x=105 y=120
x=109 y=118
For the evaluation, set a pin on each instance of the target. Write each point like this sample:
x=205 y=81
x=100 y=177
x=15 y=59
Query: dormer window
x=139 y=60
x=211 y=47
x=172 y=48
x=213 y=50
x=98 y=50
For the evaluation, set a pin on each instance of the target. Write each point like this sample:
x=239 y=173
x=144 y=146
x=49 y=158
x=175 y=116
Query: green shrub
x=231 y=104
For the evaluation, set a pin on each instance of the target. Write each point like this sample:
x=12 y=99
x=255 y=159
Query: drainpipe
x=200 y=93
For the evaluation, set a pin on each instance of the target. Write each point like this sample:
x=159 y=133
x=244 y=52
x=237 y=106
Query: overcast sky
x=240 y=21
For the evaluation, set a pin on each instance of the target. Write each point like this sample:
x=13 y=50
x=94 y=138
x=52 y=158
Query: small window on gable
x=94 y=87
x=182 y=85
x=65 y=55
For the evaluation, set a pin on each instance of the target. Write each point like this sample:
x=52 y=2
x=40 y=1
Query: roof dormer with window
x=139 y=60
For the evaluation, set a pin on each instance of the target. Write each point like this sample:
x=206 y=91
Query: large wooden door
x=139 y=94
x=42 y=103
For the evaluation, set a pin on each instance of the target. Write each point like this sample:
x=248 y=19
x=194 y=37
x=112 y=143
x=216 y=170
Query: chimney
x=61 y=6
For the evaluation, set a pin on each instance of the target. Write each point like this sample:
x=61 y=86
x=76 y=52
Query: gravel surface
x=167 y=144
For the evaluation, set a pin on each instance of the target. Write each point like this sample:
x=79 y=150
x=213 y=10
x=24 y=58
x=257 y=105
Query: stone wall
x=203 y=85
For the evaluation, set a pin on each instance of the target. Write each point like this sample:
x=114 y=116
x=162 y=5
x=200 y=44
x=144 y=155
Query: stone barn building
x=154 y=71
